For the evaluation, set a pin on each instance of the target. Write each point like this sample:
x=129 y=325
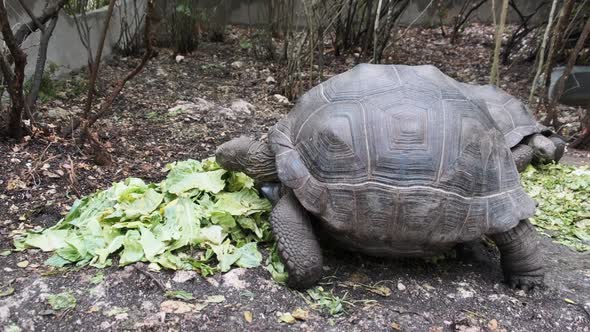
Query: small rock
x=57 y=113
x=281 y=99
x=232 y=279
x=200 y=105
x=184 y=276
x=401 y=287
x=237 y=64
x=179 y=58
x=105 y=325
x=122 y=316
x=428 y=287
x=212 y=281
x=270 y=80
x=227 y=113
x=493 y=325
x=147 y=306
x=176 y=307
x=161 y=72
x=463 y=328
x=464 y=293
x=241 y=106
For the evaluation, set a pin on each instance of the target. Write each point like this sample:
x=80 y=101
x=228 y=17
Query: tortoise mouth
x=272 y=191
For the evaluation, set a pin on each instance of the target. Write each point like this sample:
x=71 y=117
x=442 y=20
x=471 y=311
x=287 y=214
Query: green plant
x=326 y=301
x=49 y=87
x=62 y=301
x=74 y=7
x=245 y=44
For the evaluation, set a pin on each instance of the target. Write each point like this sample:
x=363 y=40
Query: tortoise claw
x=525 y=282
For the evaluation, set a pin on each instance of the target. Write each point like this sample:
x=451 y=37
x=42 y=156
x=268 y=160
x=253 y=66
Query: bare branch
x=32 y=16
x=50 y=11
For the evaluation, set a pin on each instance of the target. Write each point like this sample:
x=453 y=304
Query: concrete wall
x=68 y=53
x=419 y=12
x=65 y=48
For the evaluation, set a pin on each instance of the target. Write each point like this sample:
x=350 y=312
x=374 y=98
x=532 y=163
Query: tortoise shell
x=511 y=115
x=397 y=160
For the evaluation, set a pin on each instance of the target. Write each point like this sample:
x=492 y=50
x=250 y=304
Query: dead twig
x=152 y=277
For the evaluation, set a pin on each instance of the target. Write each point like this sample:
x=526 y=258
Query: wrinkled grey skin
x=367 y=181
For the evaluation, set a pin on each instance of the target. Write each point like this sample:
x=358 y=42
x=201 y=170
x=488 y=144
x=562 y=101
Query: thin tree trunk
x=40 y=65
x=107 y=105
x=556 y=42
x=560 y=85
x=49 y=12
x=376 y=30
x=96 y=64
x=14 y=80
x=93 y=72
x=542 y=51
x=495 y=73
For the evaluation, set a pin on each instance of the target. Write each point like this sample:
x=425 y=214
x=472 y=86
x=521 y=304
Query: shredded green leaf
x=563 y=194
x=200 y=217
x=62 y=301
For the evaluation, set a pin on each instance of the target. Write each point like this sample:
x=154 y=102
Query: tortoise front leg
x=560 y=145
x=520 y=257
x=522 y=155
x=297 y=244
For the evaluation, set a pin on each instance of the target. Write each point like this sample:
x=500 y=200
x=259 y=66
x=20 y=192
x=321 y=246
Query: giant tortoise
x=529 y=140
x=389 y=160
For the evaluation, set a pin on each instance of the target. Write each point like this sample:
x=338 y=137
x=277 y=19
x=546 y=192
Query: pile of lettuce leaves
x=201 y=217
x=563 y=194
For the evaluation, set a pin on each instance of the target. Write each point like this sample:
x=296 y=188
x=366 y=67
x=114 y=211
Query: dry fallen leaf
x=300 y=314
x=287 y=318
x=248 y=316
x=176 y=307
x=383 y=291
x=93 y=309
x=395 y=326
x=23 y=264
x=15 y=184
x=215 y=298
x=493 y=325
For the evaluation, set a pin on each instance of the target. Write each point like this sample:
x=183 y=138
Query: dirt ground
x=42 y=177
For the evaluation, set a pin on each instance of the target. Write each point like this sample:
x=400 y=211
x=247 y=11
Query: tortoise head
x=246 y=155
x=544 y=149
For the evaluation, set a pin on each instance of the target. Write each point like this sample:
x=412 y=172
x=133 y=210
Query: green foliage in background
x=563 y=194
x=79 y=6
x=49 y=87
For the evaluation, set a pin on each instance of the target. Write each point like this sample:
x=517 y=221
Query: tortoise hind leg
x=297 y=244
x=520 y=258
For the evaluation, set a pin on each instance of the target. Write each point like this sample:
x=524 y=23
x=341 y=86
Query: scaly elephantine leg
x=520 y=257
x=522 y=155
x=297 y=244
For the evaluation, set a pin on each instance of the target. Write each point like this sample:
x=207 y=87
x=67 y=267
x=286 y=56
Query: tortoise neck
x=259 y=163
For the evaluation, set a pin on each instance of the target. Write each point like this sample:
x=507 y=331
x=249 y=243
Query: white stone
x=237 y=64
x=184 y=276
x=281 y=99
x=242 y=106
x=232 y=279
